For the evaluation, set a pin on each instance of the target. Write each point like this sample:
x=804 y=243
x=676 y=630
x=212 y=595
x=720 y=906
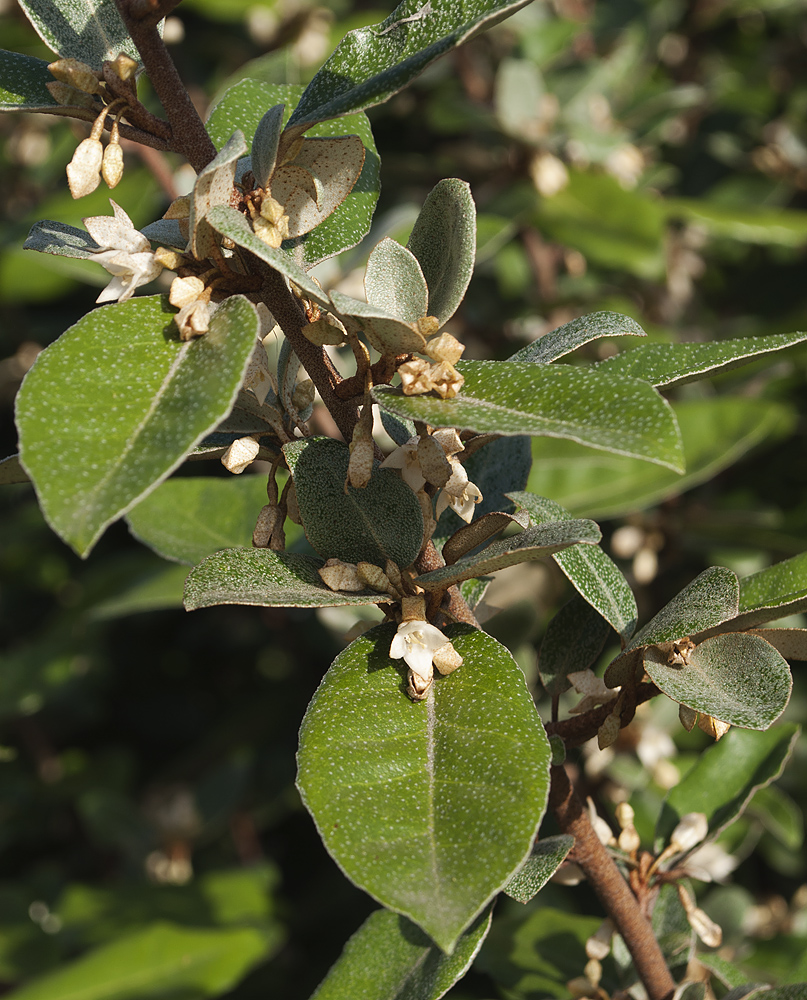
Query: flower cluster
x=419 y=376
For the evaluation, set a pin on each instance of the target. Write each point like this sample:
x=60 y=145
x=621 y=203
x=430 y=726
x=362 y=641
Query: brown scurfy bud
x=292 y=507
x=124 y=67
x=265 y=526
x=446 y=659
x=713 y=727
x=338 y=575
x=321 y=332
x=687 y=716
x=84 y=170
x=360 y=466
x=609 y=731
x=69 y=97
x=393 y=574
x=375 y=578
x=428 y=325
x=303 y=395
x=413 y=609
x=170 y=259
x=77 y=74
x=433 y=463
x=272 y=210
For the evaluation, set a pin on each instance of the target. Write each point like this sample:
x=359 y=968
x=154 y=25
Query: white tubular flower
x=690 y=831
x=125 y=253
x=462 y=505
x=405 y=458
x=417 y=642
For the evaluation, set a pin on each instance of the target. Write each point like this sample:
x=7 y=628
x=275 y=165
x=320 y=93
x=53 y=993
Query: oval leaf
x=577 y=332
x=267 y=579
x=386 y=333
x=90 y=31
x=573 y=641
x=64 y=241
x=394 y=282
x=733 y=677
x=390 y=958
x=23 y=82
x=544 y=860
x=444 y=242
x=114 y=405
x=264 y=144
x=382 y=521
x=428 y=806
x=213 y=186
x=773 y=593
x=625 y=416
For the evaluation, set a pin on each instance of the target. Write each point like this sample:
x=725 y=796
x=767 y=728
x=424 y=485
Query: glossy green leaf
x=726 y=776
x=190 y=518
x=545 y=858
x=213 y=186
x=780 y=815
x=161 y=960
x=716 y=432
x=88 y=30
x=624 y=416
x=394 y=282
x=390 y=958
x=567 y=338
x=574 y=639
x=387 y=333
x=382 y=521
x=670 y=365
x=23 y=82
x=234 y=225
x=534 y=543
x=267 y=579
x=593 y=573
x=444 y=242
x=371 y=64
x=430 y=806
x=111 y=408
x=749 y=223
x=737 y=678
x=64 y=241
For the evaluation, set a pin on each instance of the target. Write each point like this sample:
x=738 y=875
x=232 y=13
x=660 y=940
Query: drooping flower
x=125 y=252
x=423 y=647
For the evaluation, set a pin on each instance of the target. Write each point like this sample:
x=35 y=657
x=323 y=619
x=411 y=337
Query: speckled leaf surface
x=625 y=416
x=22 y=83
x=725 y=777
x=382 y=521
x=791 y=642
x=773 y=593
x=394 y=282
x=390 y=958
x=534 y=543
x=213 y=186
x=114 y=405
x=669 y=365
x=371 y=64
x=734 y=677
x=88 y=30
x=387 y=333
x=429 y=806
x=243 y=105
x=265 y=143
x=444 y=242
x=265 y=578
x=544 y=860
x=57 y=238
x=590 y=570
x=573 y=640
x=480 y=530
x=577 y=332
x=187 y=519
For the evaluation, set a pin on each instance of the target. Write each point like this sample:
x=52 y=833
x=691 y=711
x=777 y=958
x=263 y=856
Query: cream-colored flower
x=84 y=170
x=241 y=453
x=417 y=642
x=405 y=458
x=193 y=320
x=125 y=253
x=690 y=831
x=462 y=504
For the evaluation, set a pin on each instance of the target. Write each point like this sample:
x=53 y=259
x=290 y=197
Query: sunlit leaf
x=545 y=858
x=23 y=82
x=394 y=282
x=64 y=241
x=90 y=30
x=567 y=338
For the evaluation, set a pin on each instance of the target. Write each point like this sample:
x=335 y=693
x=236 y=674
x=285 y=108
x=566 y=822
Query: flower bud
x=713 y=727
x=433 y=461
x=321 y=332
x=112 y=163
x=690 y=831
x=687 y=716
x=446 y=659
x=185 y=290
x=292 y=507
x=445 y=348
x=124 y=67
x=179 y=208
x=608 y=732
x=169 y=258
x=241 y=453
x=265 y=526
x=428 y=326
x=338 y=575
x=84 y=170
x=77 y=74
x=374 y=577
x=598 y=945
x=68 y=96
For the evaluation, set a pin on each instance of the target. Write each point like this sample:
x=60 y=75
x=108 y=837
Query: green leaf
x=213 y=186
x=670 y=365
x=780 y=816
x=624 y=416
x=22 y=83
x=371 y=64
x=88 y=30
x=726 y=777
x=430 y=806
x=573 y=641
x=188 y=519
x=725 y=972
x=158 y=591
x=716 y=432
x=64 y=241
x=534 y=543
x=267 y=579
x=382 y=521
x=773 y=593
x=570 y=336
x=593 y=573
x=394 y=282
x=737 y=678
x=390 y=958
x=387 y=333
x=750 y=224
x=544 y=860
x=444 y=242
x=111 y=408
x=162 y=960
x=265 y=143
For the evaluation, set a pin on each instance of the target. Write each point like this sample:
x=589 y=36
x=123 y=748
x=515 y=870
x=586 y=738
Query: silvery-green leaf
x=264 y=144
x=166 y=232
x=267 y=579
x=726 y=777
x=11 y=471
x=556 y=343
x=371 y=64
x=382 y=521
x=390 y=958
x=98 y=412
x=213 y=186
x=625 y=416
x=534 y=543
x=734 y=677
x=444 y=242
x=429 y=806
x=479 y=531
x=64 y=241
x=386 y=333
x=88 y=30
x=23 y=82
x=234 y=225
x=399 y=430
x=545 y=858
x=394 y=282
x=670 y=365
x=591 y=571
x=790 y=642
x=573 y=641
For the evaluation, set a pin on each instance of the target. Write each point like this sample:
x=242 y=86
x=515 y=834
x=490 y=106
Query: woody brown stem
x=611 y=888
x=581 y=728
